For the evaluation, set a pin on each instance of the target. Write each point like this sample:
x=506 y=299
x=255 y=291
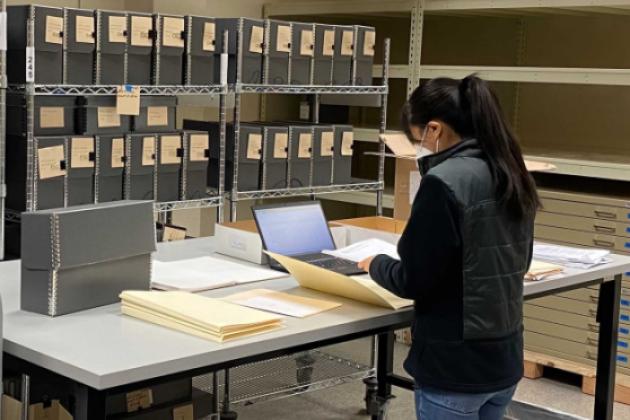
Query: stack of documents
x=282 y=303
x=206 y=273
x=362 y=289
x=364 y=249
x=212 y=319
x=583 y=258
x=539 y=270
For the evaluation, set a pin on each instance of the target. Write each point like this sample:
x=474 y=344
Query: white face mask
x=422 y=151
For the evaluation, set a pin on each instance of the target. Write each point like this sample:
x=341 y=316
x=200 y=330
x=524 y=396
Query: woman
x=463 y=255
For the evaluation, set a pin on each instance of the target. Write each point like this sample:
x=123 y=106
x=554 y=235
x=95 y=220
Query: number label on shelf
x=30 y=64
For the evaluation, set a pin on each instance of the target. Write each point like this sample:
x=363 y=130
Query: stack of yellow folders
x=208 y=318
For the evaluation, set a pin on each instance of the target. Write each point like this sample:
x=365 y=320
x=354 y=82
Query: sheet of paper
x=85 y=29
x=140 y=27
x=256 y=39
x=328 y=46
x=169 y=147
x=51 y=117
x=399 y=144
x=117 y=29
x=306 y=42
x=282 y=303
x=209 y=37
x=536 y=166
x=368 y=43
x=128 y=100
x=364 y=249
x=148 y=151
x=199 y=145
x=280 y=143
x=157 y=116
x=583 y=258
x=305 y=144
x=347 y=140
x=254 y=146
x=118 y=152
x=283 y=41
x=107 y=117
x=54 y=29
x=539 y=270
x=326 y=281
x=49 y=162
x=347 y=41
x=80 y=150
x=206 y=273
x=328 y=142
x=172 y=29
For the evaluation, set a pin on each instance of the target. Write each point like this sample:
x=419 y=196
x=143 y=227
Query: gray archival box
x=77 y=258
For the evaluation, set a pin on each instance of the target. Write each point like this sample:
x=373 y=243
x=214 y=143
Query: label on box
x=328 y=142
x=142 y=398
x=414 y=185
x=148 y=151
x=118 y=29
x=254 y=144
x=51 y=117
x=54 y=30
x=157 y=116
x=3 y=31
x=185 y=412
x=369 y=43
x=173 y=233
x=80 y=150
x=169 y=147
x=199 y=145
x=347 y=39
x=280 y=143
x=118 y=152
x=172 y=29
x=49 y=162
x=256 y=39
x=128 y=100
x=30 y=64
x=84 y=29
x=140 y=28
x=328 y=46
x=346 y=143
x=107 y=117
x=283 y=41
x=209 y=36
x=305 y=110
x=305 y=144
x=306 y=42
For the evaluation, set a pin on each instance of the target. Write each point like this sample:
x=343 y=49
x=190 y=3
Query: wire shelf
x=96 y=90
x=287 y=376
x=293 y=192
x=308 y=89
x=215 y=201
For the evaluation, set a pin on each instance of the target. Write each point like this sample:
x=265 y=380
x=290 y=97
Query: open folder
x=358 y=288
x=208 y=318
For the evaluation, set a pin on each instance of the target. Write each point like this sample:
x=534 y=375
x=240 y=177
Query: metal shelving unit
x=3 y=104
x=31 y=90
x=314 y=91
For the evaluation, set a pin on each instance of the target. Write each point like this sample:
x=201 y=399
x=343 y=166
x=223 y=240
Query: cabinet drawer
x=579 y=335
x=585 y=295
x=622 y=360
x=558 y=344
x=558 y=316
x=613 y=243
x=585 y=209
x=567 y=305
x=586 y=224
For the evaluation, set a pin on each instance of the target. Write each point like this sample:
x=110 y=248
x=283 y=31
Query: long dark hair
x=471 y=108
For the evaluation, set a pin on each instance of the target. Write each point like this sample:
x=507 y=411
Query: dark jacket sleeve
x=429 y=243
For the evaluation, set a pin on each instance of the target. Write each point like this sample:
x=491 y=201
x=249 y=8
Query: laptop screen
x=295 y=229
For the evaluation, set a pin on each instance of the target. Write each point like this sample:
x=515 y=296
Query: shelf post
x=382 y=128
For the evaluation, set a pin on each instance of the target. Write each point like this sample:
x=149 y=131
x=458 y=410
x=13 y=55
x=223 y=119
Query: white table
x=103 y=351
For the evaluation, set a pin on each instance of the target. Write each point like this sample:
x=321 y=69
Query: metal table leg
x=608 y=318
x=384 y=370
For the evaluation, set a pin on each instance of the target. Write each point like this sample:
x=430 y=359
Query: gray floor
x=344 y=402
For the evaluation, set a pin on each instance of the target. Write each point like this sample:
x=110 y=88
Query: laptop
x=300 y=231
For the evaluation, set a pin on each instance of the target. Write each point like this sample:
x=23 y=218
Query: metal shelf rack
x=31 y=89
x=314 y=91
x=3 y=104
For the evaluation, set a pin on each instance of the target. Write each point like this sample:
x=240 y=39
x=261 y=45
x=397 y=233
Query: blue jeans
x=436 y=404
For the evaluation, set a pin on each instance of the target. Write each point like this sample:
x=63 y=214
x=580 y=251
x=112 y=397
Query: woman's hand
x=365 y=264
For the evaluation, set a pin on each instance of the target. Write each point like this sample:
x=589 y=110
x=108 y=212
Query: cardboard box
x=362 y=228
x=241 y=240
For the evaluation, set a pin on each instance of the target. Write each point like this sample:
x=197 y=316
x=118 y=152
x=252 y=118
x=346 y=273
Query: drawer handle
x=593 y=326
x=591 y=341
x=606 y=229
x=606 y=244
x=594 y=299
x=593 y=312
x=606 y=214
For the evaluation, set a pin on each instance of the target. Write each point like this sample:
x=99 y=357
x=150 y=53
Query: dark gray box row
x=82 y=170
x=91 y=115
x=283 y=155
x=84 y=46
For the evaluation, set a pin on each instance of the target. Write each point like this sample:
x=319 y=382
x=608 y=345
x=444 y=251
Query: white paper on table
x=364 y=249
x=582 y=258
x=206 y=273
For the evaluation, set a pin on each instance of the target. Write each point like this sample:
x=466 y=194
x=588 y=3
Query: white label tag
x=305 y=110
x=3 y=31
x=30 y=64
